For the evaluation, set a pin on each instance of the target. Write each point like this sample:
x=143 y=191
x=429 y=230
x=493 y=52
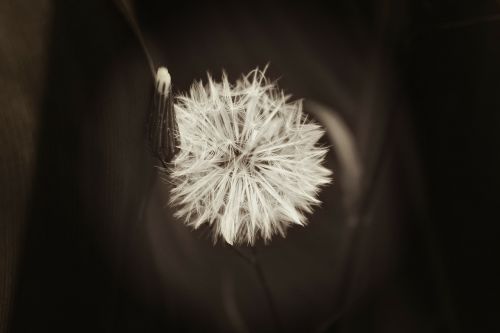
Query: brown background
x=87 y=243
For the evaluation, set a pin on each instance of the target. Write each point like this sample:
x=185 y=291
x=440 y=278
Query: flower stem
x=254 y=262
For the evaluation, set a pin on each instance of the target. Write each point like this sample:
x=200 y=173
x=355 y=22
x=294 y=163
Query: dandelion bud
x=162 y=125
x=163 y=81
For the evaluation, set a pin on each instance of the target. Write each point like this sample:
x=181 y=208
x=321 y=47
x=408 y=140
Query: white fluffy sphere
x=249 y=164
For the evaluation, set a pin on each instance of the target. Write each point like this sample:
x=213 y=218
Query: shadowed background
x=404 y=240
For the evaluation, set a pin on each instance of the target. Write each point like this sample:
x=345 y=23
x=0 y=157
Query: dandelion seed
x=248 y=164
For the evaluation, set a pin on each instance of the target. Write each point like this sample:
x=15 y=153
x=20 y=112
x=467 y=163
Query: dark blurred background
x=406 y=238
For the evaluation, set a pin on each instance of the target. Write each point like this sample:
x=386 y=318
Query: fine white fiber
x=249 y=163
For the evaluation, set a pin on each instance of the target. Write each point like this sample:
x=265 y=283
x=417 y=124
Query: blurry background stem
x=124 y=7
x=253 y=260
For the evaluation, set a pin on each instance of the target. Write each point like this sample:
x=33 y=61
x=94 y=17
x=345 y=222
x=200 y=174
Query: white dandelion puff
x=249 y=163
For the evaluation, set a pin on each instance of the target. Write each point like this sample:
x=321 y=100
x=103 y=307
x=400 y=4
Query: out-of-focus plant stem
x=253 y=261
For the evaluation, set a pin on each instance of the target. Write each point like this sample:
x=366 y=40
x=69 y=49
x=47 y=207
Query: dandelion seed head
x=249 y=164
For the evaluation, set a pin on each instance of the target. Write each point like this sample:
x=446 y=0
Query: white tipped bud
x=163 y=81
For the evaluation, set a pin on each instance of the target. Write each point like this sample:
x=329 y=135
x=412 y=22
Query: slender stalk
x=242 y=255
x=267 y=290
x=129 y=16
x=253 y=261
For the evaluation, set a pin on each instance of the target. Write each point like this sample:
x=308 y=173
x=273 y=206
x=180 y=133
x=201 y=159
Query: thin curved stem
x=253 y=261
x=267 y=291
x=241 y=254
x=132 y=21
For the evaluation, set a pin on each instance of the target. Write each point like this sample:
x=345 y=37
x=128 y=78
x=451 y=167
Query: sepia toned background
x=406 y=237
